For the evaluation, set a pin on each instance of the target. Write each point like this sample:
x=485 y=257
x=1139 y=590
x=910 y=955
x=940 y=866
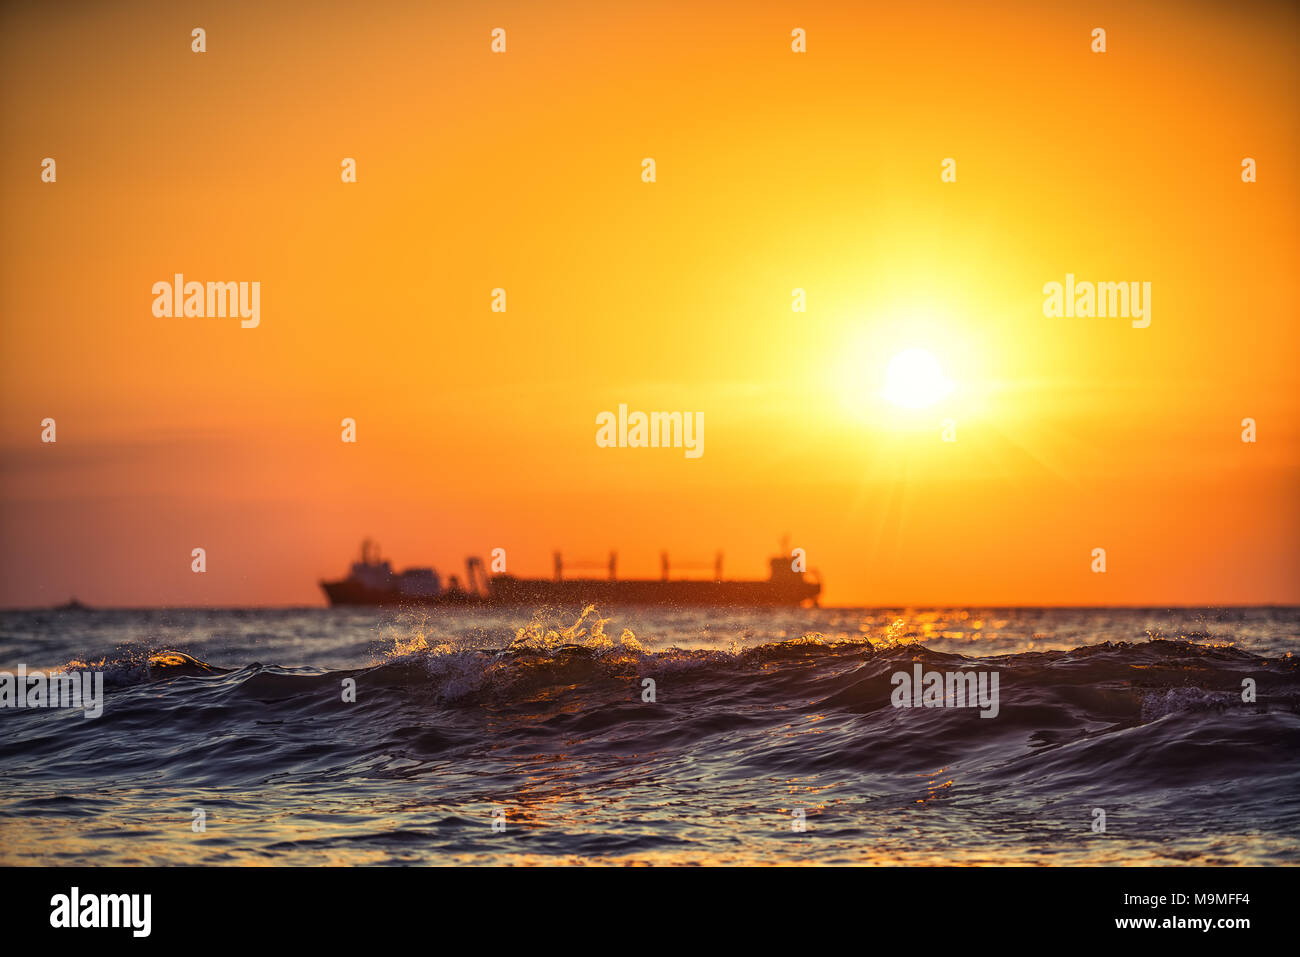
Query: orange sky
x=775 y=170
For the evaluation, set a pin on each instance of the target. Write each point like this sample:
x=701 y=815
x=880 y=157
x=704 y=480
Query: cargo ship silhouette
x=372 y=581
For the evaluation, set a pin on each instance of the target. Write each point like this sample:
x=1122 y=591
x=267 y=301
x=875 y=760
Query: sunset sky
x=775 y=170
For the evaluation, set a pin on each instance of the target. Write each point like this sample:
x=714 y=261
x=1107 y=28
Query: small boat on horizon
x=373 y=581
x=72 y=605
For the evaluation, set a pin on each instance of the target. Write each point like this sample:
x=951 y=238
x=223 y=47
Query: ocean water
x=526 y=737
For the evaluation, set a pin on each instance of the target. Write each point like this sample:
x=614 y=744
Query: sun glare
x=914 y=380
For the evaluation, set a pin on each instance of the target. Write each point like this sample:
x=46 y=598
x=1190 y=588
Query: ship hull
x=350 y=593
x=509 y=591
x=523 y=591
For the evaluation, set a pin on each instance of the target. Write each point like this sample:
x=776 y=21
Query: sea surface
x=767 y=737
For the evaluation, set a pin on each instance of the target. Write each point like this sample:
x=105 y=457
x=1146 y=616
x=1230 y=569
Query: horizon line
x=928 y=606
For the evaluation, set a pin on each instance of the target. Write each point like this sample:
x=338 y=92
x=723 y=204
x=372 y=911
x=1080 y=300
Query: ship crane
x=716 y=566
x=611 y=565
x=476 y=577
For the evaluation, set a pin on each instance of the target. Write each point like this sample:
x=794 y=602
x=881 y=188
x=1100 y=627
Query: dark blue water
x=772 y=737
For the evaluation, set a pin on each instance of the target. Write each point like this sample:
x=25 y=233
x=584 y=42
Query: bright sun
x=915 y=380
